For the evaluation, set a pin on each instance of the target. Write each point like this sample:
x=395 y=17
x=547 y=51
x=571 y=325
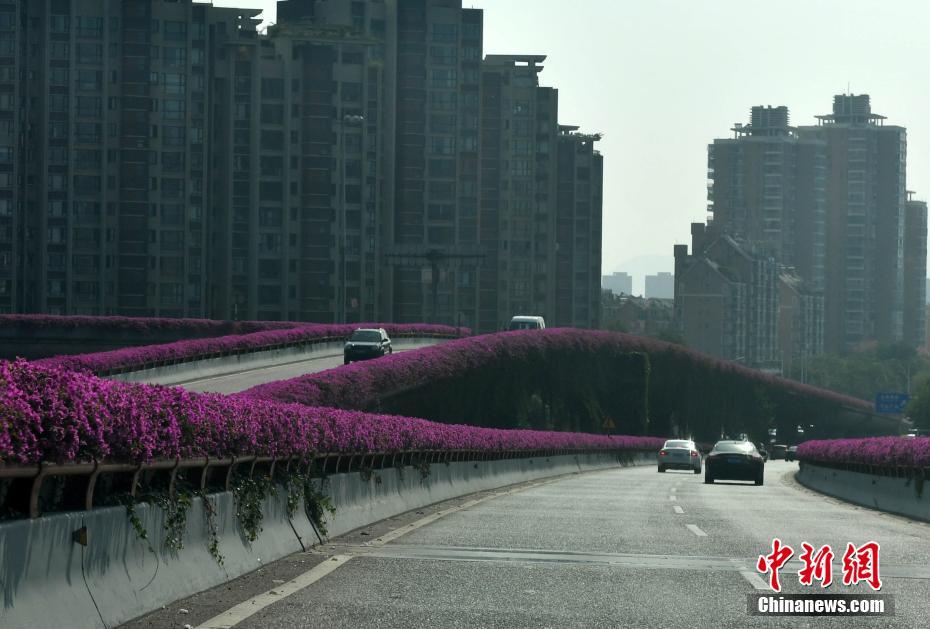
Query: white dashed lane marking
x=696 y=530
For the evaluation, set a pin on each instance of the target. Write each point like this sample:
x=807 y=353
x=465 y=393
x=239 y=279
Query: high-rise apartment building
x=726 y=298
x=865 y=203
x=164 y=158
x=299 y=143
x=618 y=283
x=13 y=152
x=915 y=271
x=578 y=229
x=767 y=187
x=432 y=250
x=660 y=286
x=109 y=213
x=518 y=190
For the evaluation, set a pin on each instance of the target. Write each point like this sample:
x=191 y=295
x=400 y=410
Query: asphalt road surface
x=615 y=548
x=242 y=380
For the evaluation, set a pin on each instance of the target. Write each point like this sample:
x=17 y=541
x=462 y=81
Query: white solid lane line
x=678 y=509
x=235 y=615
x=694 y=529
x=751 y=576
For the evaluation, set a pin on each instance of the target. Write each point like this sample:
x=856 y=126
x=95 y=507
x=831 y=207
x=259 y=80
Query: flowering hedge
x=140 y=325
x=363 y=382
x=57 y=415
x=879 y=451
x=130 y=358
x=688 y=392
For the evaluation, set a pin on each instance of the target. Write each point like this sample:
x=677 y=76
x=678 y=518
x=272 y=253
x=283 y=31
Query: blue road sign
x=891 y=402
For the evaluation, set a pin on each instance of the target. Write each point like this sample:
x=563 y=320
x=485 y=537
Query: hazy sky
x=663 y=78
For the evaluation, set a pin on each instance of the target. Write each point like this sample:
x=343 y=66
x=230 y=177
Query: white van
x=527 y=323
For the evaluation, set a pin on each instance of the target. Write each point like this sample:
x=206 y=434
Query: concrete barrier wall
x=224 y=365
x=895 y=495
x=47 y=580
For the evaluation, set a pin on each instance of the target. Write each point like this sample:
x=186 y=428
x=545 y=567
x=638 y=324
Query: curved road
x=248 y=378
x=614 y=548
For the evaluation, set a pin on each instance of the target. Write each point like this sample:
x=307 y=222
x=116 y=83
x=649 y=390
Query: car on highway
x=791 y=453
x=734 y=460
x=367 y=343
x=679 y=454
x=762 y=451
x=778 y=452
x=524 y=322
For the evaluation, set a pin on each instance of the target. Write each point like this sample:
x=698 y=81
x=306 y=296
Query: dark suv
x=367 y=343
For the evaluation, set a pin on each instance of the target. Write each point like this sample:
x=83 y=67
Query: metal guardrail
x=30 y=478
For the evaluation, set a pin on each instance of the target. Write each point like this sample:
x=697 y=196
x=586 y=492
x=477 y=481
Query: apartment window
x=273 y=114
x=443 y=101
x=58 y=24
x=442 y=168
x=441 y=190
x=89 y=80
x=445 y=33
x=443 y=78
x=272 y=140
x=174 y=109
x=57 y=103
x=90 y=27
x=351 y=92
x=57 y=50
x=197 y=56
x=87 y=184
x=58 y=76
x=175 y=83
x=88 y=106
x=269 y=243
x=87 y=132
x=172 y=162
x=443 y=55
x=57 y=130
x=353 y=58
x=269 y=295
x=175 y=31
x=87 y=158
x=471 y=53
x=172 y=188
x=89 y=53
x=174 y=56
x=269 y=217
x=172 y=240
x=173 y=136
x=442 y=123
x=272 y=88
x=272 y=165
x=471 y=31
x=442 y=145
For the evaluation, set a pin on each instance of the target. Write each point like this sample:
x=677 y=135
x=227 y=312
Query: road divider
x=892 y=491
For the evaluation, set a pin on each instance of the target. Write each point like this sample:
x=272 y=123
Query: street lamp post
x=341 y=310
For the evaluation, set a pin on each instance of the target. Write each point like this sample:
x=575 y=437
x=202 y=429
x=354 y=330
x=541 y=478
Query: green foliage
x=213 y=545
x=919 y=408
x=249 y=494
x=317 y=505
x=176 y=509
x=866 y=372
x=670 y=335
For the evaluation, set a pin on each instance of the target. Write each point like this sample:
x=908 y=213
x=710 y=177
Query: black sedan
x=734 y=460
x=367 y=343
